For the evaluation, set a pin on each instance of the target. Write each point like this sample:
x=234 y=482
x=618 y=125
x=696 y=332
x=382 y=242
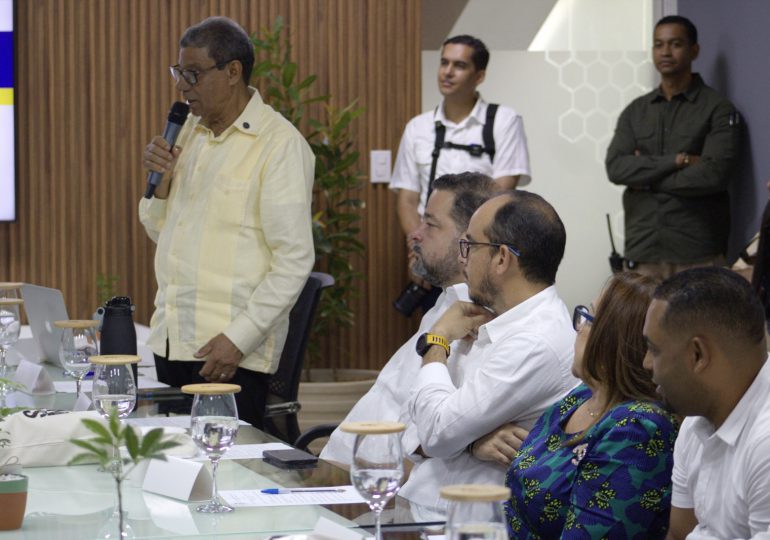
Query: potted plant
x=328 y=394
x=13 y=484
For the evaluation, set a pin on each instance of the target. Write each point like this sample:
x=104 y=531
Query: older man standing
x=231 y=220
x=515 y=343
x=705 y=332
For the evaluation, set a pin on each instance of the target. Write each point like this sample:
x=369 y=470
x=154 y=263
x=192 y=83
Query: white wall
x=569 y=93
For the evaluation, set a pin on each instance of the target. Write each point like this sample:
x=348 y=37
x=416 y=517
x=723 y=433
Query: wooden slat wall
x=93 y=87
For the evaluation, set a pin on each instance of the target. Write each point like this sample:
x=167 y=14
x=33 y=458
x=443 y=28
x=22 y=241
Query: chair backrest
x=284 y=383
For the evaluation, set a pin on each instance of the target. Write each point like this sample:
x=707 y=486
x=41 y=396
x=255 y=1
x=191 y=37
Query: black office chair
x=321 y=431
x=282 y=404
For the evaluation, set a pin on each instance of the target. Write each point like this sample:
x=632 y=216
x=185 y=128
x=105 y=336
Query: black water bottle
x=118 y=331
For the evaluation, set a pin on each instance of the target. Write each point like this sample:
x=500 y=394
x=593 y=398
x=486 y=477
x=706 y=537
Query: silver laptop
x=44 y=306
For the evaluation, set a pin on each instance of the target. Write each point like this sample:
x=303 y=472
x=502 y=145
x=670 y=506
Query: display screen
x=7 y=129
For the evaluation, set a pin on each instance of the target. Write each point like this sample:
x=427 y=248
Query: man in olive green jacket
x=674 y=149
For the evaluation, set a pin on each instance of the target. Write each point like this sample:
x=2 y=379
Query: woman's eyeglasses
x=580 y=317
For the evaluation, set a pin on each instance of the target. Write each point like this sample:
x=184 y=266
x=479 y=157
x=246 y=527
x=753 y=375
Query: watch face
x=422 y=344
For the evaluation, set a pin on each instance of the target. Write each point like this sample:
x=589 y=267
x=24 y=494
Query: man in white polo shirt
x=464 y=133
x=705 y=332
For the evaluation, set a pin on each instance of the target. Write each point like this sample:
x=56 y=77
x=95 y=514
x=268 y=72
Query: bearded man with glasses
x=232 y=223
x=511 y=346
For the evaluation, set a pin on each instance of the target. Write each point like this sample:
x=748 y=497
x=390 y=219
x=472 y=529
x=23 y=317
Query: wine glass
x=114 y=388
x=378 y=463
x=10 y=326
x=78 y=345
x=214 y=426
x=476 y=511
x=10 y=289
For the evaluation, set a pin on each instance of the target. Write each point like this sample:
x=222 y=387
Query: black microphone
x=176 y=119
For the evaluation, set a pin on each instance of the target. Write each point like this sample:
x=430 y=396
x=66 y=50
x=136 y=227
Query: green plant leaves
x=335 y=230
x=108 y=439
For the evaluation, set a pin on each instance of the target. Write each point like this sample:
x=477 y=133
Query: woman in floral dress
x=598 y=463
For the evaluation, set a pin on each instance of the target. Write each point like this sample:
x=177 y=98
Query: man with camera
x=464 y=133
x=435 y=245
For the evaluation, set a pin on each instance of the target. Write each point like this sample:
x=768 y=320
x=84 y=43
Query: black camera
x=409 y=299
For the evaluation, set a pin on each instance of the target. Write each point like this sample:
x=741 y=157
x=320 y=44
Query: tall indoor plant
x=337 y=216
x=335 y=222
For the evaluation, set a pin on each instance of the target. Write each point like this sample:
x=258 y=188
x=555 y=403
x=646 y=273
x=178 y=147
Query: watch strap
x=427 y=340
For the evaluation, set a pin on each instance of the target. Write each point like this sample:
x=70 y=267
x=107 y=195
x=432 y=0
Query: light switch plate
x=379 y=166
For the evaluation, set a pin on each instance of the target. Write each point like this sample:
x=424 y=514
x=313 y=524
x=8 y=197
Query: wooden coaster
x=11 y=301
x=84 y=323
x=372 y=428
x=10 y=285
x=475 y=493
x=114 y=359
x=211 y=388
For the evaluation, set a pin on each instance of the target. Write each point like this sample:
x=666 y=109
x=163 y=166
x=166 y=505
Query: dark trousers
x=250 y=400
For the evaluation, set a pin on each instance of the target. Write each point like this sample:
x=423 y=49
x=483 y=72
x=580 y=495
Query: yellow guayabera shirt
x=234 y=238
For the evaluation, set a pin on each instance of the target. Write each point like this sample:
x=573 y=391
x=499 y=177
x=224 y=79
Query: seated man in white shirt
x=705 y=332
x=434 y=243
x=515 y=354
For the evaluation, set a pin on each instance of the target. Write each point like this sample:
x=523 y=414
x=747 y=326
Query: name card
x=326 y=528
x=83 y=402
x=171 y=515
x=179 y=479
x=34 y=378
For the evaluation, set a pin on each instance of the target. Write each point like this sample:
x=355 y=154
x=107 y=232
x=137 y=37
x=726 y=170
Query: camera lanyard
x=474 y=150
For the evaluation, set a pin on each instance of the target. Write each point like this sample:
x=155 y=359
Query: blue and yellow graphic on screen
x=6 y=68
x=7 y=117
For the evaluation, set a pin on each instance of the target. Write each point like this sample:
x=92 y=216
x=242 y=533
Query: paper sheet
x=251 y=497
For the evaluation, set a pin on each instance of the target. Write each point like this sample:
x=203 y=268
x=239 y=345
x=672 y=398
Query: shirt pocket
x=230 y=201
x=690 y=137
x=646 y=138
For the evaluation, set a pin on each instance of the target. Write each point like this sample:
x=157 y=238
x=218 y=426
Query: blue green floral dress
x=614 y=483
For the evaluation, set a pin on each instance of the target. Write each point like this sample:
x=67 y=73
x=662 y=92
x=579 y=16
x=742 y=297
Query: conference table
x=75 y=502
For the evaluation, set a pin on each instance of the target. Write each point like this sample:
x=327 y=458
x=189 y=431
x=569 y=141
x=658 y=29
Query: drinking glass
x=114 y=388
x=10 y=289
x=10 y=326
x=78 y=345
x=214 y=426
x=476 y=511
x=378 y=463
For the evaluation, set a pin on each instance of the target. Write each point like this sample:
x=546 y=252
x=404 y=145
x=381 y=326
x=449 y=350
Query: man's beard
x=438 y=273
x=485 y=294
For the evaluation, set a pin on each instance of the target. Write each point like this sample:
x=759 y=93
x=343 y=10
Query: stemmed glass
x=10 y=289
x=378 y=463
x=476 y=511
x=114 y=387
x=78 y=345
x=214 y=426
x=10 y=326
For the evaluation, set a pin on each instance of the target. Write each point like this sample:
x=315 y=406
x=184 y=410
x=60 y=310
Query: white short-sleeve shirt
x=413 y=163
x=724 y=475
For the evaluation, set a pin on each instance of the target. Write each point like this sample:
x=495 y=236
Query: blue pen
x=284 y=491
